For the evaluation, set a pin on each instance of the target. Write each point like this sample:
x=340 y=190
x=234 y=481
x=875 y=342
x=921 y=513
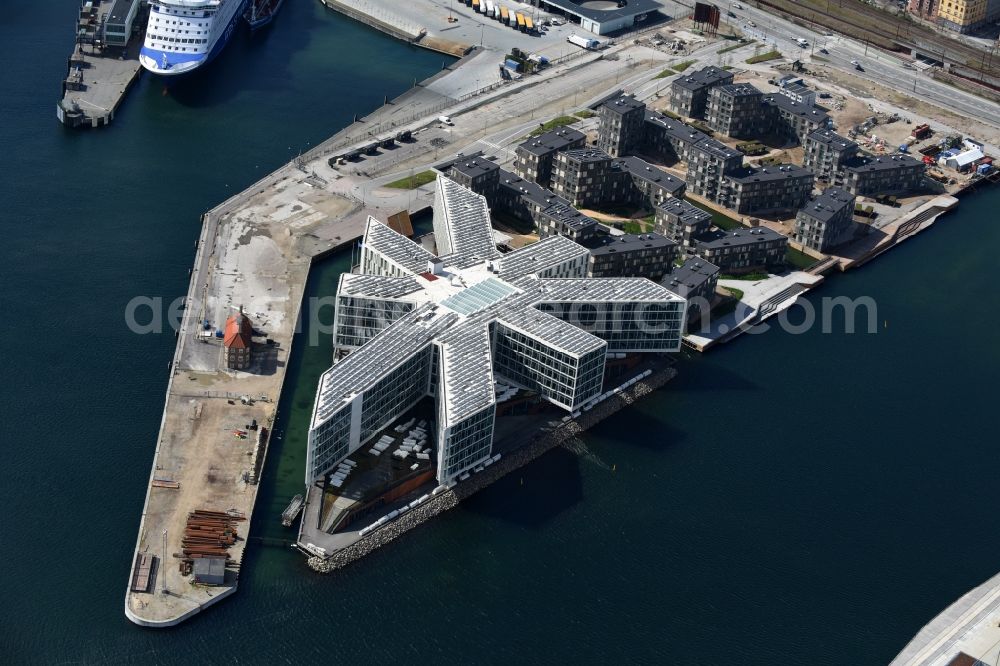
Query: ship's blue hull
x=178 y=64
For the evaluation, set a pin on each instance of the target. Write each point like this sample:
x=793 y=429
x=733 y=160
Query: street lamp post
x=163 y=563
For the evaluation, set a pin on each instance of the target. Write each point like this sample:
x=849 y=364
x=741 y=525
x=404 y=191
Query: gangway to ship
x=261 y=12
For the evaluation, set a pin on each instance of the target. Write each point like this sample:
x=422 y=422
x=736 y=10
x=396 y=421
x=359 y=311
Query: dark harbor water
x=809 y=498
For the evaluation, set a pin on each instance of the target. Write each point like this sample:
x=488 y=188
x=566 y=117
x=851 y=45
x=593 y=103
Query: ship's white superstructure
x=183 y=35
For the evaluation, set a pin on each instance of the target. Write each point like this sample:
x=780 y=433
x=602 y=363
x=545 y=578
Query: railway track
x=897 y=33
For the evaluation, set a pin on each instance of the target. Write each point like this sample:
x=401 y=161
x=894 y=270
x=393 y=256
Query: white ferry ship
x=183 y=35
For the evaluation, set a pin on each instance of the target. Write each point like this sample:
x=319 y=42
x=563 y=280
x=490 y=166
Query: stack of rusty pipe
x=209 y=534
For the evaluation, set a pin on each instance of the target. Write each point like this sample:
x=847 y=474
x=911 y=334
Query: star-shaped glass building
x=410 y=324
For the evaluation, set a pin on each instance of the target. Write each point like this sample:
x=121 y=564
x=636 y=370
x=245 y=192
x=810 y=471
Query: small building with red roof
x=238 y=341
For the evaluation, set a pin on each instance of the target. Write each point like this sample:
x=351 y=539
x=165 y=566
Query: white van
x=445 y=119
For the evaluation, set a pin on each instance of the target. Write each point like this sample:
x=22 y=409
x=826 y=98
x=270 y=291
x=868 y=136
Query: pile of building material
x=401 y=428
x=416 y=439
x=343 y=469
x=504 y=392
x=381 y=445
x=209 y=534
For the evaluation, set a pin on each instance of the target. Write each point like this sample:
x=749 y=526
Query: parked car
x=445 y=119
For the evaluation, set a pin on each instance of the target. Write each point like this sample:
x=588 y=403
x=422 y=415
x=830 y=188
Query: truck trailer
x=583 y=42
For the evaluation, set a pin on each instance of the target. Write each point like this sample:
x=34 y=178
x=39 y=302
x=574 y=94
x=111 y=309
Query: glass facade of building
x=395 y=393
x=627 y=327
x=399 y=390
x=330 y=442
x=564 y=379
x=360 y=319
x=466 y=443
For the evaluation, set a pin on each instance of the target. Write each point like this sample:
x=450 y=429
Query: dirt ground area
x=520 y=240
x=853 y=100
x=865 y=92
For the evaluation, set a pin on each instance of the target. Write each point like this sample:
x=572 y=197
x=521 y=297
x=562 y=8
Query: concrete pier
x=384 y=19
x=98 y=74
x=969 y=626
x=255 y=251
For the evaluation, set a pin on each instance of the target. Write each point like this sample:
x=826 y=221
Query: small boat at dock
x=289 y=515
x=261 y=12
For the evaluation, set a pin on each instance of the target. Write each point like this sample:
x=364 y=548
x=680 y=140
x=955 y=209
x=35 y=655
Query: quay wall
x=207 y=225
x=90 y=116
x=389 y=23
x=382 y=19
x=510 y=462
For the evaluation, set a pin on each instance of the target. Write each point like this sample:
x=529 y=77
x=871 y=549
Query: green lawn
x=718 y=219
x=585 y=113
x=746 y=276
x=764 y=57
x=664 y=74
x=414 y=181
x=702 y=127
x=558 y=121
x=752 y=148
x=735 y=46
x=728 y=305
x=510 y=224
x=800 y=260
x=681 y=66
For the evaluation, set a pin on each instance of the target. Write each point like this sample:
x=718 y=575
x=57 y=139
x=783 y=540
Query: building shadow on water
x=696 y=374
x=640 y=429
x=533 y=495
